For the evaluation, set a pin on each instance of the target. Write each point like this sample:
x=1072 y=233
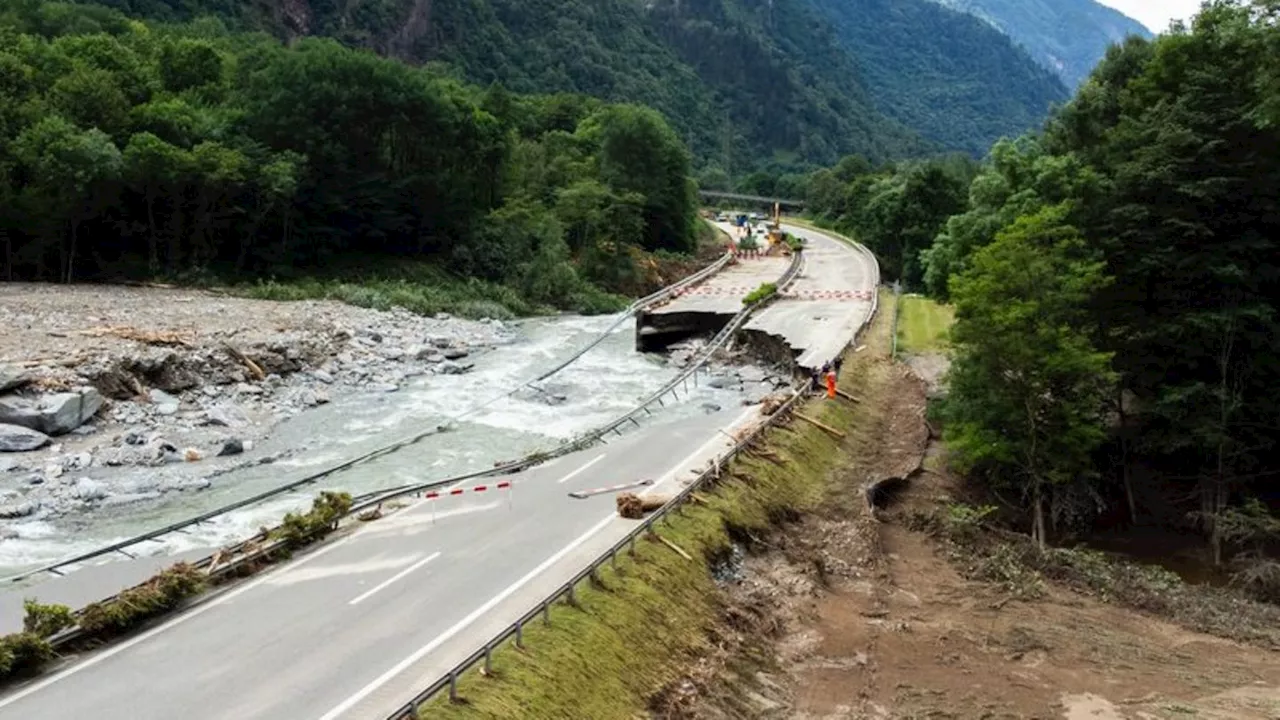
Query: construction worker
x=831 y=383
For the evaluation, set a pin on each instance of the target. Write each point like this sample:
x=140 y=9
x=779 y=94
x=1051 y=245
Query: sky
x=1156 y=14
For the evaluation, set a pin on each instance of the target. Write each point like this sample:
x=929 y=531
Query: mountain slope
x=744 y=81
x=1066 y=36
x=948 y=75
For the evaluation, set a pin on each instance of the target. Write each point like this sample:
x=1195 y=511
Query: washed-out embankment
x=668 y=631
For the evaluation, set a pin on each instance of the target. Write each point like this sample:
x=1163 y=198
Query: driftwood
x=672 y=545
x=825 y=428
x=847 y=396
x=634 y=507
x=148 y=337
x=253 y=366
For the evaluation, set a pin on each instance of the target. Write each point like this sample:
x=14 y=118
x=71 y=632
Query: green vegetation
x=191 y=153
x=301 y=530
x=950 y=76
x=1068 y=37
x=896 y=210
x=765 y=291
x=27 y=652
x=626 y=639
x=923 y=325
x=1116 y=322
x=983 y=551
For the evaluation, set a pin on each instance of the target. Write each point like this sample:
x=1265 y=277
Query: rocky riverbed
x=111 y=377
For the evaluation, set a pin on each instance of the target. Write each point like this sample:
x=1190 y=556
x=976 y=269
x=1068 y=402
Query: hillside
x=951 y=77
x=1067 y=36
x=742 y=81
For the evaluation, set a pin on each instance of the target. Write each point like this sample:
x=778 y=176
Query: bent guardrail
x=120 y=546
x=542 y=609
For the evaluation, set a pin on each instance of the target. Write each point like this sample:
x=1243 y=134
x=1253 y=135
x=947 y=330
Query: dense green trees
x=129 y=150
x=948 y=75
x=1162 y=171
x=896 y=210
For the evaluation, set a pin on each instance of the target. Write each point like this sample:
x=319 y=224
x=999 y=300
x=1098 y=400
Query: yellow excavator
x=776 y=237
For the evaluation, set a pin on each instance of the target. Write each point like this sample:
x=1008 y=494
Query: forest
x=777 y=85
x=1114 y=283
x=132 y=150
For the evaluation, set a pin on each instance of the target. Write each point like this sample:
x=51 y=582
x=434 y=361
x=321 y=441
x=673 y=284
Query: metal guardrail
x=122 y=545
x=516 y=630
x=543 y=608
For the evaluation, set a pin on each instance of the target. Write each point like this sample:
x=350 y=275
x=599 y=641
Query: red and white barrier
x=434 y=494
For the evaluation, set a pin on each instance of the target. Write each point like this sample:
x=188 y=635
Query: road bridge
x=754 y=199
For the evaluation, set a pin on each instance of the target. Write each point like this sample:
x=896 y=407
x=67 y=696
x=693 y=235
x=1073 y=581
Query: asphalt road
x=820 y=312
x=722 y=294
x=354 y=628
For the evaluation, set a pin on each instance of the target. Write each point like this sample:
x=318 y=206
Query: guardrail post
x=546 y=612
x=520 y=634
x=488 y=661
x=613 y=559
x=595 y=579
x=453 y=686
x=572 y=598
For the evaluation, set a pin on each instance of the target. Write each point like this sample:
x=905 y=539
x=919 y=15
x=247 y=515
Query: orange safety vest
x=831 y=383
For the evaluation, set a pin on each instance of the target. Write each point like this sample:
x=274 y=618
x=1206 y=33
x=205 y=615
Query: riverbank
x=168 y=377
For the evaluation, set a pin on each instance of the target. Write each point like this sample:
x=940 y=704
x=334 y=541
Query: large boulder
x=15 y=438
x=11 y=378
x=55 y=414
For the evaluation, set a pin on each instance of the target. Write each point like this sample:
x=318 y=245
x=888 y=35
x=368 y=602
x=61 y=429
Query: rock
x=12 y=511
x=443 y=316
x=15 y=438
x=454 y=354
x=225 y=416
x=433 y=357
x=439 y=341
x=35 y=480
x=247 y=389
x=11 y=378
x=322 y=376
x=720 y=382
x=88 y=489
x=55 y=414
x=449 y=367
x=165 y=403
x=191 y=455
x=710 y=407
x=233 y=446
x=322 y=397
x=134 y=437
x=78 y=461
x=308 y=398
x=210 y=391
x=383 y=387
x=393 y=353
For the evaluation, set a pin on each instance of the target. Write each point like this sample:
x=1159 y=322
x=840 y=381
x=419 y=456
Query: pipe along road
x=355 y=627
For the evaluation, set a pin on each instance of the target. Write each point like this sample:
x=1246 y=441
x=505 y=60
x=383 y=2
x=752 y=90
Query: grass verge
x=26 y=653
x=923 y=325
x=653 y=616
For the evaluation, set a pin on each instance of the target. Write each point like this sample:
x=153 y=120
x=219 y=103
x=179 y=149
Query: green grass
x=923 y=325
x=653 y=615
x=426 y=290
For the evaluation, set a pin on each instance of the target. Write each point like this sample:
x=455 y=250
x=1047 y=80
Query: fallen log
x=634 y=507
x=825 y=428
x=847 y=396
x=673 y=546
x=253 y=366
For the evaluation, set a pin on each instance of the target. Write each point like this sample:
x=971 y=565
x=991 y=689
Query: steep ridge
x=951 y=77
x=1066 y=36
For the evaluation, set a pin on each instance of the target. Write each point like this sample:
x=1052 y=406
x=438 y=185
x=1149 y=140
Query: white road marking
x=580 y=470
x=510 y=590
x=196 y=612
x=383 y=585
x=461 y=625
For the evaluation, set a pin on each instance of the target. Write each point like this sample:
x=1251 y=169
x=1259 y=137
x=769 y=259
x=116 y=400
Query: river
x=601 y=385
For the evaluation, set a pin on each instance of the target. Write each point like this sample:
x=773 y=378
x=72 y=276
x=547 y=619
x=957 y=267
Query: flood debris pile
x=95 y=378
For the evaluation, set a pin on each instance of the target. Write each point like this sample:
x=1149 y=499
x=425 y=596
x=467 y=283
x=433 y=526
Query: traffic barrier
x=120 y=547
x=582 y=494
x=504 y=485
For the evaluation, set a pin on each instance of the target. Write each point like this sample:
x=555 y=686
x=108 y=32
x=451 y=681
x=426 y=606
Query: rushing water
x=598 y=387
